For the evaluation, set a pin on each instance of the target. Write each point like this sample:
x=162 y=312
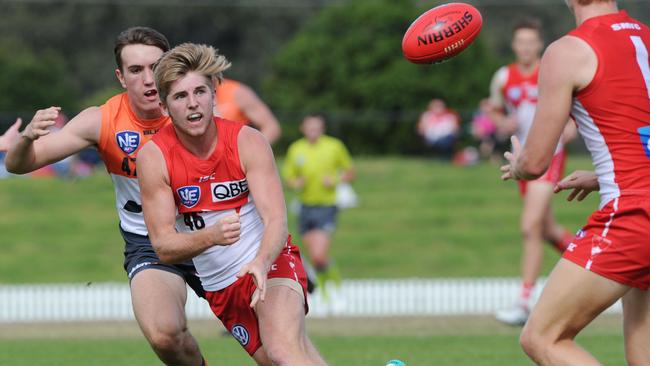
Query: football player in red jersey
x=211 y=193
x=600 y=74
x=513 y=95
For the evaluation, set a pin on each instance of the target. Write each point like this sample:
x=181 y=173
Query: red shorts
x=232 y=304
x=615 y=243
x=553 y=174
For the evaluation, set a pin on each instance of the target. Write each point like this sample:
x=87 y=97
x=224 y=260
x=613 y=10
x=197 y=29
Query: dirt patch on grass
x=369 y=326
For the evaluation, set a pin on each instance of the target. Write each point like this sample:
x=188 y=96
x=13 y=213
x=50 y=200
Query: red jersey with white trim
x=613 y=111
x=121 y=136
x=206 y=190
x=520 y=97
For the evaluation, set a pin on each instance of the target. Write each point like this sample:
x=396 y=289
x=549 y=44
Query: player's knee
x=532 y=343
x=531 y=228
x=285 y=353
x=168 y=339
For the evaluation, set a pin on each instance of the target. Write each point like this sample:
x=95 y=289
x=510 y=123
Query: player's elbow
x=163 y=251
x=531 y=171
x=14 y=167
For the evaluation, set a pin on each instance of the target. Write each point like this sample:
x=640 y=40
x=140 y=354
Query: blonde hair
x=184 y=58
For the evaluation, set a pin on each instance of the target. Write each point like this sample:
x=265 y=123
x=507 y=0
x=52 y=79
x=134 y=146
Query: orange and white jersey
x=206 y=190
x=121 y=137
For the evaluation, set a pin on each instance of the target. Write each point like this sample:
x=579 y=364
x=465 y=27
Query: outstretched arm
x=160 y=212
x=567 y=66
x=265 y=186
x=259 y=113
x=37 y=147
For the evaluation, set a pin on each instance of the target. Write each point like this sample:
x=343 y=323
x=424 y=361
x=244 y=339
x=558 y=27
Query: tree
x=348 y=61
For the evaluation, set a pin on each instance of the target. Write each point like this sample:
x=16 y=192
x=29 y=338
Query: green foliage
x=32 y=80
x=348 y=61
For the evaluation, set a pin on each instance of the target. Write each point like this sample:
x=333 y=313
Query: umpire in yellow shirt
x=314 y=166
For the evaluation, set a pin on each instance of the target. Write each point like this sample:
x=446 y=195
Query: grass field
x=451 y=341
x=444 y=221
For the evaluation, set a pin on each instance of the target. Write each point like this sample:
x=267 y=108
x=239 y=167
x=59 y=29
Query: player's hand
x=41 y=123
x=227 y=230
x=259 y=271
x=581 y=181
x=508 y=169
x=10 y=135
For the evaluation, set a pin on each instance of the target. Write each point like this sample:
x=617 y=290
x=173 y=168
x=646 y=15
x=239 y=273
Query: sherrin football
x=441 y=33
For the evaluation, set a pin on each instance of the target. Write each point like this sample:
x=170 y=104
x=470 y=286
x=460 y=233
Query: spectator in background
x=484 y=130
x=439 y=127
x=237 y=102
x=314 y=166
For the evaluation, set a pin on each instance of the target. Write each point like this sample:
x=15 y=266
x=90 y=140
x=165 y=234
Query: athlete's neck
x=583 y=13
x=527 y=68
x=200 y=146
x=144 y=115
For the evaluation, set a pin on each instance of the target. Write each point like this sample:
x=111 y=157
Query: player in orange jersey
x=600 y=74
x=513 y=94
x=118 y=129
x=237 y=102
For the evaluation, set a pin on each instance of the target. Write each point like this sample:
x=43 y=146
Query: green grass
x=418 y=218
x=497 y=350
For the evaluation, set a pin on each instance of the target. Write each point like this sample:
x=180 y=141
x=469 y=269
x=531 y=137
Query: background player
x=211 y=192
x=513 y=95
x=314 y=165
x=118 y=129
x=599 y=72
x=237 y=102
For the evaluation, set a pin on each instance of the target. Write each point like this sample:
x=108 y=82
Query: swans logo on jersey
x=644 y=132
x=514 y=93
x=189 y=195
x=128 y=141
x=241 y=334
x=224 y=191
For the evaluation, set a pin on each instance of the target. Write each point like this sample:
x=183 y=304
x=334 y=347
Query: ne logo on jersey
x=189 y=195
x=224 y=191
x=128 y=141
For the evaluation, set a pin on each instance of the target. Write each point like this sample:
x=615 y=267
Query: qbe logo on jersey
x=224 y=191
x=128 y=141
x=189 y=195
x=644 y=132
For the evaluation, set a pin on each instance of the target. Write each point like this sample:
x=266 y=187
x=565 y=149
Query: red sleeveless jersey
x=613 y=111
x=214 y=184
x=520 y=88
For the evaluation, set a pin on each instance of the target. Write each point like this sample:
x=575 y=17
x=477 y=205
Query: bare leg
x=571 y=299
x=158 y=299
x=636 y=324
x=536 y=205
x=318 y=244
x=282 y=328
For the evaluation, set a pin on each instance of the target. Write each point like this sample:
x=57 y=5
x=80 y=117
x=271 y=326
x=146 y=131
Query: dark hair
x=528 y=23
x=138 y=35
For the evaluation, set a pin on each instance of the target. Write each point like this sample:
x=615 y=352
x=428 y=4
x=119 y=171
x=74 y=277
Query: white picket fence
x=403 y=297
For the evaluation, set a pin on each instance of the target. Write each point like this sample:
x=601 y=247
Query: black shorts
x=317 y=218
x=140 y=255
